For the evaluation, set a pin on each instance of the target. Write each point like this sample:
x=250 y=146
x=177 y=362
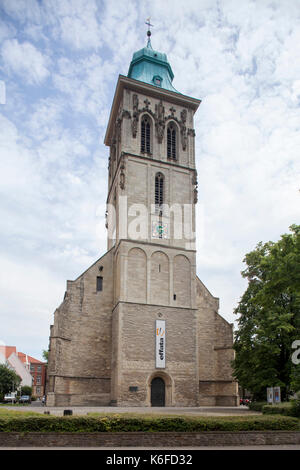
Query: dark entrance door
x=157 y=392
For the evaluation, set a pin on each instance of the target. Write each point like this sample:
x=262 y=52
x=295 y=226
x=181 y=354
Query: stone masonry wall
x=80 y=342
x=137 y=354
x=216 y=385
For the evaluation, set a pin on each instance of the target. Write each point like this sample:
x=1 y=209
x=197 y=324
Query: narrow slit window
x=159 y=191
x=171 y=141
x=145 y=135
x=99 y=283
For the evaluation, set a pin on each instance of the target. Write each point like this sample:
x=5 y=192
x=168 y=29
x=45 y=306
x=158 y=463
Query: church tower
x=138 y=327
x=152 y=193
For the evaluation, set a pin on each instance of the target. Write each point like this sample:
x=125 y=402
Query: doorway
x=158 y=393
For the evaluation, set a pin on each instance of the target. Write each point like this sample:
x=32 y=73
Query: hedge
x=291 y=408
x=168 y=424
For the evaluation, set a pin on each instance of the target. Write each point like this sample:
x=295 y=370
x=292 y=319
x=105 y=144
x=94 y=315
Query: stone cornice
x=157 y=245
x=153 y=305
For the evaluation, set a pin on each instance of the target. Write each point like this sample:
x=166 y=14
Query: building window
x=159 y=191
x=38 y=380
x=157 y=80
x=146 y=135
x=99 y=283
x=171 y=141
x=31 y=368
x=39 y=368
x=38 y=390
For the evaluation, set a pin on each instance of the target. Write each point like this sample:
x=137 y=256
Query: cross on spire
x=147 y=22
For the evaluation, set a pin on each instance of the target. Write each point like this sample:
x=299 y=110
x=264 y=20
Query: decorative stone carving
x=122 y=172
x=147 y=102
x=160 y=121
x=195 y=196
x=183 y=130
x=183 y=116
x=126 y=114
x=135 y=116
x=195 y=183
x=118 y=129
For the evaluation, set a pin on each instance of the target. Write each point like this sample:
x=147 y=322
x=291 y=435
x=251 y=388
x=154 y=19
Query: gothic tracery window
x=171 y=141
x=146 y=135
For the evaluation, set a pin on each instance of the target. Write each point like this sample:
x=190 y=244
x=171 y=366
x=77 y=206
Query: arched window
x=171 y=141
x=146 y=135
x=159 y=191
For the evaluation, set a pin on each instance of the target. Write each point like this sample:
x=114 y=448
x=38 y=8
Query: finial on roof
x=147 y=22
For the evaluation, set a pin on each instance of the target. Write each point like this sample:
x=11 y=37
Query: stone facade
x=102 y=343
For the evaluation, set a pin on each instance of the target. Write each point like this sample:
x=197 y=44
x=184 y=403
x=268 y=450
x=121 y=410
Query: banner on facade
x=160 y=335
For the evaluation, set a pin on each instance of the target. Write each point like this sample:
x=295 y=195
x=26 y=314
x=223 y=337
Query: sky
x=59 y=65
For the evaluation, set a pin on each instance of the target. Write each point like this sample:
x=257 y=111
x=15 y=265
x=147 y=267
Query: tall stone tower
x=138 y=327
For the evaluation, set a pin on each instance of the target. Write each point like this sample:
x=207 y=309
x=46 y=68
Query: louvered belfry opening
x=171 y=141
x=145 y=135
x=159 y=192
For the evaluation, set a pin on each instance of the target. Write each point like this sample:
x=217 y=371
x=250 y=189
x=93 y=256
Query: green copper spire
x=151 y=67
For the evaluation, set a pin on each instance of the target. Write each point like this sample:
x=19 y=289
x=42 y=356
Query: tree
x=9 y=380
x=45 y=355
x=26 y=390
x=269 y=317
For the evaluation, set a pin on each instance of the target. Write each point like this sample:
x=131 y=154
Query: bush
x=151 y=424
x=295 y=407
x=291 y=408
x=256 y=405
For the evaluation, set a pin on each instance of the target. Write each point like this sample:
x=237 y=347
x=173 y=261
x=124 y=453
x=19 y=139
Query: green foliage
x=26 y=390
x=269 y=317
x=295 y=405
x=163 y=424
x=295 y=377
x=291 y=408
x=279 y=409
x=9 y=380
x=256 y=405
x=45 y=355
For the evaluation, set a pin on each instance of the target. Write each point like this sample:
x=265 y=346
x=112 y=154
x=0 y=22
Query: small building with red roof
x=31 y=370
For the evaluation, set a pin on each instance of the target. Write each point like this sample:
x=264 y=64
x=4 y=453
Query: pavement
x=83 y=410
x=163 y=449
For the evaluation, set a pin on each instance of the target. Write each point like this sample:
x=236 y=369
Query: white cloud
x=25 y=60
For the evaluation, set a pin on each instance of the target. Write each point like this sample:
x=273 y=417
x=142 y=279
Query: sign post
x=277 y=395
x=270 y=395
x=273 y=395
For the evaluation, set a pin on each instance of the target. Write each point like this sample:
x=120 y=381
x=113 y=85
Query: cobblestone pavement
x=83 y=410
